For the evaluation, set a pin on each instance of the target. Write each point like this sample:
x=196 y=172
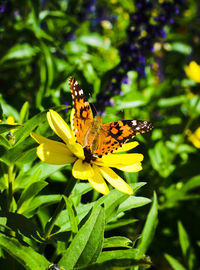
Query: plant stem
x=10 y=186
x=49 y=227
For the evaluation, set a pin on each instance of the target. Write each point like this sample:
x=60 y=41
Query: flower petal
x=40 y=139
x=76 y=149
x=127 y=147
x=98 y=183
x=60 y=127
x=115 y=180
x=82 y=170
x=55 y=153
x=118 y=160
x=131 y=168
x=71 y=117
x=193 y=71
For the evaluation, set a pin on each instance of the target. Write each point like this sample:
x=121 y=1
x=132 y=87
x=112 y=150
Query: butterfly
x=96 y=138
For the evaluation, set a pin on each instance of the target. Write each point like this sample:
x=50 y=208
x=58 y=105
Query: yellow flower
x=193 y=71
x=11 y=121
x=194 y=137
x=96 y=171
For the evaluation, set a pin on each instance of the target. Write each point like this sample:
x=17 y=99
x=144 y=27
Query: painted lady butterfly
x=100 y=139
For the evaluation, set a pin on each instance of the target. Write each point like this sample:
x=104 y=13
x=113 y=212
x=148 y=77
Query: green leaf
x=46 y=169
x=25 y=255
x=160 y=157
x=49 y=63
x=24 y=132
x=20 y=51
x=149 y=227
x=28 y=194
x=1 y=112
x=121 y=105
x=24 y=113
x=181 y=48
x=24 y=180
x=94 y=40
x=120 y=223
x=4 y=142
x=41 y=201
x=192 y=183
x=132 y=202
x=172 y=101
x=6 y=128
x=9 y=110
x=117 y=241
x=111 y=202
x=87 y=244
x=63 y=220
x=174 y=263
x=120 y=259
x=17 y=152
x=72 y=214
x=186 y=247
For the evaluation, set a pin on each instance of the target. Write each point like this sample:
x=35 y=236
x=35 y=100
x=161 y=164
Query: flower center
x=88 y=155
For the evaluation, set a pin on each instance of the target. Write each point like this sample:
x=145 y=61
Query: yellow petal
x=76 y=149
x=40 y=139
x=195 y=140
x=193 y=71
x=10 y=120
x=82 y=170
x=115 y=180
x=197 y=132
x=60 y=127
x=118 y=160
x=55 y=153
x=71 y=117
x=98 y=183
x=127 y=147
x=131 y=168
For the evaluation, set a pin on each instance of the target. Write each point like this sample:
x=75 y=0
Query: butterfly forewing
x=83 y=114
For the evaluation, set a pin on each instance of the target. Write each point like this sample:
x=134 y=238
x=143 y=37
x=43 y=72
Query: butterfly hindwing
x=114 y=134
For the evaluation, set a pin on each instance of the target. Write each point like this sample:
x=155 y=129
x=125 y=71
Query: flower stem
x=10 y=186
x=49 y=227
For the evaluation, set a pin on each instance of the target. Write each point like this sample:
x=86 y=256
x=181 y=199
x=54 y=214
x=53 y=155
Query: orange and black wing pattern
x=83 y=115
x=114 y=134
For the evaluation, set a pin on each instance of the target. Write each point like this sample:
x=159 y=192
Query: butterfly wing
x=114 y=134
x=83 y=115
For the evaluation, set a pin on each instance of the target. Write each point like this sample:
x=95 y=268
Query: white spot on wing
x=81 y=92
x=134 y=123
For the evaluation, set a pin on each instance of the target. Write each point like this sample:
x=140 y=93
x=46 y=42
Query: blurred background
x=131 y=59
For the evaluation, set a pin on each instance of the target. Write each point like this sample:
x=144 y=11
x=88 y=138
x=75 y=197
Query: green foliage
x=43 y=43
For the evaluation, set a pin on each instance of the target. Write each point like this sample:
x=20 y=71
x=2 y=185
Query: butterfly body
x=100 y=139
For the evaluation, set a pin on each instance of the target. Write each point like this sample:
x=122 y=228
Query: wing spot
x=114 y=130
x=75 y=92
x=81 y=92
x=137 y=128
x=134 y=123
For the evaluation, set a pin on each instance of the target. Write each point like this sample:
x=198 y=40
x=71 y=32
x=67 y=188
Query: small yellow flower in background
x=68 y=151
x=193 y=71
x=194 y=137
x=11 y=121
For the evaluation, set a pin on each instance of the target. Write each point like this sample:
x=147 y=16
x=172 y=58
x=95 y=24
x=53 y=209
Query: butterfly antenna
x=93 y=106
